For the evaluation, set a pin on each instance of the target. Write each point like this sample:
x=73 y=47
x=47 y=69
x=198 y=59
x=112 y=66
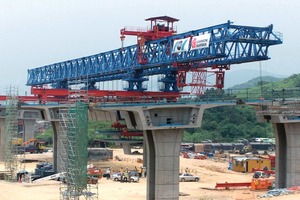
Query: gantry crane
x=160 y=50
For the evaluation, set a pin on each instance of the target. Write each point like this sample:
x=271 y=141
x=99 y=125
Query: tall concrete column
x=57 y=149
x=126 y=148
x=281 y=155
x=2 y=138
x=287 y=137
x=29 y=126
x=163 y=147
x=286 y=126
x=145 y=151
x=29 y=118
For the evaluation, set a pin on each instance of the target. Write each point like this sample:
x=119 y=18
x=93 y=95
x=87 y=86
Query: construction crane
x=161 y=51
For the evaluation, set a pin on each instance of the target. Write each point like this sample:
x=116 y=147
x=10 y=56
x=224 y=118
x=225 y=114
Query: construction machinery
x=94 y=174
x=33 y=146
x=159 y=51
x=17 y=141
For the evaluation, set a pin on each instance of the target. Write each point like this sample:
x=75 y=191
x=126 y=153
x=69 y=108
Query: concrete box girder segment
x=160 y=117
x=163 y=127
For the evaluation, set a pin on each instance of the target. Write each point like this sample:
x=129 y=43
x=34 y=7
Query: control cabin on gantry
x=160 y=27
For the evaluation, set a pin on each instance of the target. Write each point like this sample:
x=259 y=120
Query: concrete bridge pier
x=28 y=118
x=28 y=128
x=163 y=164
x=286 y=127
x=163 y=127
x=59 y=149
x=287 y=154
x=126 y=148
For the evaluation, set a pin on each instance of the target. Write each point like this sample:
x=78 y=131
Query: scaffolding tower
x=13 y=154
x=74 y=141
x=62 y=138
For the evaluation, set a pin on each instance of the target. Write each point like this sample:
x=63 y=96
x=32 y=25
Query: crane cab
x=160 y=27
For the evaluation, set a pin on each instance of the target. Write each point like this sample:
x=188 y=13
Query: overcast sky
x=35 y=33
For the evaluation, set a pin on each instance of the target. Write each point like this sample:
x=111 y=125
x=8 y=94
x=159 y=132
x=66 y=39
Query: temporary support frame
x=73 y=127
x=13 y=153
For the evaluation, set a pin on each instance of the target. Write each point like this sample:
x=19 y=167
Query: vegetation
x=287 y=87
x=227 y=124
x=256 y=82
x=46 y=136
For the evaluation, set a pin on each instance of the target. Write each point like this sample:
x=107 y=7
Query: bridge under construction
x=162 y=115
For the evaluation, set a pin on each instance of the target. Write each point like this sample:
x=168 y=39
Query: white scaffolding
x=14 y=153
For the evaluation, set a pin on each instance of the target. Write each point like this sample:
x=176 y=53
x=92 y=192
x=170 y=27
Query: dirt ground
x=210 y=171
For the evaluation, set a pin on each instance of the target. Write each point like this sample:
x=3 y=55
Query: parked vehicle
x=261 y=174
x=188 y=177
x=118 y=177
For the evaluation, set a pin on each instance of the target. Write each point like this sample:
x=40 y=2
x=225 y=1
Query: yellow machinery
x=34 y=146
x=17 y=141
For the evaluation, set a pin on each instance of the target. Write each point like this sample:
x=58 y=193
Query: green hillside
x=269 y=88
x=256 y=82
x=287 y=83
x=229 y=123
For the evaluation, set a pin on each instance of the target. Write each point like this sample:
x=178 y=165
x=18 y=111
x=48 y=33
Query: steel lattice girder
x=229 y=44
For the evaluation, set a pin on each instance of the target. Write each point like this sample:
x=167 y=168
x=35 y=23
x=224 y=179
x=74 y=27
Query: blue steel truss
x=229 y=44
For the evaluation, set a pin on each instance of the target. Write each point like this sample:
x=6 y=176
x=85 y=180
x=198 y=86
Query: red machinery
x=94 y=174
x=43 y=95
x=227 y=185
x=160 y=27
x=124 y=132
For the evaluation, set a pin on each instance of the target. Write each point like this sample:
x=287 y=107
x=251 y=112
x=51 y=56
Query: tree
x=46 y=136
x=228 y=123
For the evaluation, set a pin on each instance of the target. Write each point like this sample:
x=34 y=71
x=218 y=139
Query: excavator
x=33 y=145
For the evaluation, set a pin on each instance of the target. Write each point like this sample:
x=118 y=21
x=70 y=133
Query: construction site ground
x=211 y=171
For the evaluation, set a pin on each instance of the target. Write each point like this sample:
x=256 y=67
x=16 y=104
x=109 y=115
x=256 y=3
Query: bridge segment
x=163 y=127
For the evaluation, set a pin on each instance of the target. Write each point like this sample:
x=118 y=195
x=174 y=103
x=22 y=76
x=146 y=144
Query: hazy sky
x=35 y=33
